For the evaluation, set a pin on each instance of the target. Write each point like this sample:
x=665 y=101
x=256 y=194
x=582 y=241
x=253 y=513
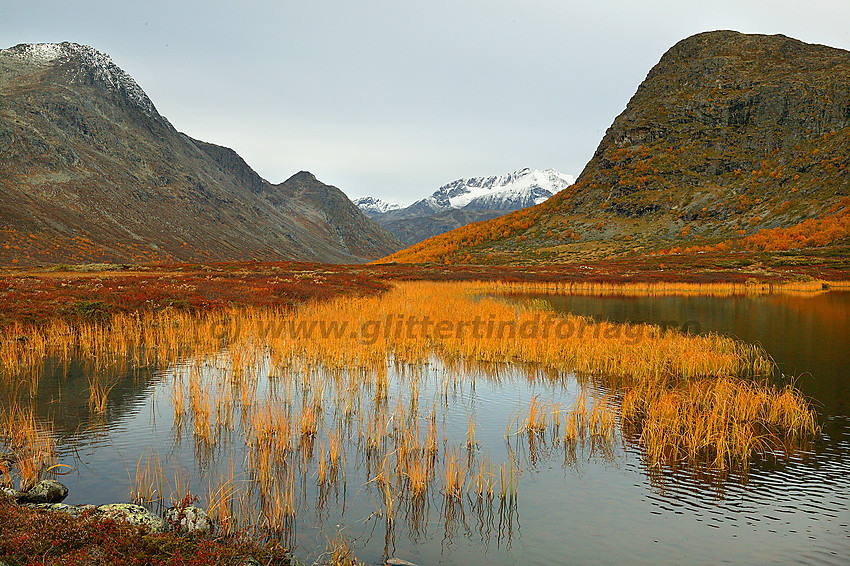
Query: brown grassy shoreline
x=96 y=291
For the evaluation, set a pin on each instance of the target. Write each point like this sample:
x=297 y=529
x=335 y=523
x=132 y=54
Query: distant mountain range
x=728 y=135
x=464 y=201
x=90 y=171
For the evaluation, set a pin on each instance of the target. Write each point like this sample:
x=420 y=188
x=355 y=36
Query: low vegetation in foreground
x=47 y=538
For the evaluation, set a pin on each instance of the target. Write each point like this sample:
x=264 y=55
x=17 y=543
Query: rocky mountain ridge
x=374 y=205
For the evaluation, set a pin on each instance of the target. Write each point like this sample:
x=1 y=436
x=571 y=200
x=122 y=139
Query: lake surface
x=602 y=505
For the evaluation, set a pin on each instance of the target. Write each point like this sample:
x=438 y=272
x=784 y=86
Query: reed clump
x=412 y=322
x=723 y=422
x=150 y=481
x=339 y=552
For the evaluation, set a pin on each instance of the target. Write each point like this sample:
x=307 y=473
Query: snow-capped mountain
x=513 y=191
x=87 y=66
x=374 y=205
x=465 y=200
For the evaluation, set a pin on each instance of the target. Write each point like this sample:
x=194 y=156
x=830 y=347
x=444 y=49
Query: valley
x=199 y=366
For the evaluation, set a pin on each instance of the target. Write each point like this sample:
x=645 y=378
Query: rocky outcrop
x=719 y=103
x=187 y=520
x=349 y=227
x=45 y=491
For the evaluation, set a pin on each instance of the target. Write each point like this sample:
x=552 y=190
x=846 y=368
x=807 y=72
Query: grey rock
x=189 y=520
x=45 y=491
x=135 y=515
x=399 y=562
x=142 y=173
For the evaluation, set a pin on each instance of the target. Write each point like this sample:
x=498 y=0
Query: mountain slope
x=728 y=134
x=90 y=171
x=464 y=201
x=330 y=207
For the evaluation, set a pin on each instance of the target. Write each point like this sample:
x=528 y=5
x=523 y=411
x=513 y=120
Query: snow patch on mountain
x=99 y=66
x=41 y=52
x=375 y=205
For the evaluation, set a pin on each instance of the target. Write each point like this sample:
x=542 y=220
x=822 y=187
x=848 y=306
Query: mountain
x=374 y=205
x=90 y=171
x=728 y=135
x=500 y=192
x=464 y=201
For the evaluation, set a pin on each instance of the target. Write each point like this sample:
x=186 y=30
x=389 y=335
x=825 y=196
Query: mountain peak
x=90 y=172
x=303 y=177
x=464 y=201
x=85 y=65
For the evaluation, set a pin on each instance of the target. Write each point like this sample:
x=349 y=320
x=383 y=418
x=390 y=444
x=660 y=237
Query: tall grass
x=723 y=422
x=719 y=289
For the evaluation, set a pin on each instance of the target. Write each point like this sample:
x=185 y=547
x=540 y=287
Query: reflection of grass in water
x=329 y=370
x=99 y=388
x=152 y=482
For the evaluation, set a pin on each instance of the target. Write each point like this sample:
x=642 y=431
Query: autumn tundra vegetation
x=306 y=386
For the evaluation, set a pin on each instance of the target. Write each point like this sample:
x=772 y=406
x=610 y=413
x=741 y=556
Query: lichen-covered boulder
x=135 y=515
x=45 y=491
x=190 y=519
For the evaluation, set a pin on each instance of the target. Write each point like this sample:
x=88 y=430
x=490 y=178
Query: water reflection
x=801 y=496
x=62 y=396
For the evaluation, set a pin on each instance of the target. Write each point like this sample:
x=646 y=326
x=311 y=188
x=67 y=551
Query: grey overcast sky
x=395 y=98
